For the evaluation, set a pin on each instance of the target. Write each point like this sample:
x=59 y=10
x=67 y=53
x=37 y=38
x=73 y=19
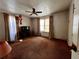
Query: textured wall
x=61 y=25
x=2 y=27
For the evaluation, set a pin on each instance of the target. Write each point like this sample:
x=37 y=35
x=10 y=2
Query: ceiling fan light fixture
x=34 y=12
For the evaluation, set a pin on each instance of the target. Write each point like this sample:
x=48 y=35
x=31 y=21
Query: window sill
x=44 y=32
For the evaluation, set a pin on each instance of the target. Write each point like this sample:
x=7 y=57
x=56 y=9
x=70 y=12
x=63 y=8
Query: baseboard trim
x=45 y=37
x=60 y=39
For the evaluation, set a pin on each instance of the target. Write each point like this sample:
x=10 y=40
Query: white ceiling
x=46 y=6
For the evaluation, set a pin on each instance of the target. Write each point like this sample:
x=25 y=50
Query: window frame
x=44 y=24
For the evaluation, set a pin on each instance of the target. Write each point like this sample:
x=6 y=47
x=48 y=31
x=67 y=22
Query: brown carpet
x=40 y=48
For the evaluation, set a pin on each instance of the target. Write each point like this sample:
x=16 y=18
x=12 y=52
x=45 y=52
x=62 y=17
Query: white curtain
x=12 y=28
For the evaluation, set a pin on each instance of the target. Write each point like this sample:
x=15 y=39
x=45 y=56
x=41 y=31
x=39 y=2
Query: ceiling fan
x=34 y=11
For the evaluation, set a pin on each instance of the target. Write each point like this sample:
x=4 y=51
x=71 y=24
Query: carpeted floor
x=40 y=48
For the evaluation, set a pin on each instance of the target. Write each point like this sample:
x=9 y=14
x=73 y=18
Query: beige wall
x=25 y=21
x=2 y=27
x=61 y=25
x=70 y=32
x=35 y=26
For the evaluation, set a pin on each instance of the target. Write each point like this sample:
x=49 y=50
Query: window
x=44 y=25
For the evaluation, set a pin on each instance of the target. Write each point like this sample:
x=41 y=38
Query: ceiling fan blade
x=36 y=14
x=28 y=11
x=30 y=14
x=39 y=12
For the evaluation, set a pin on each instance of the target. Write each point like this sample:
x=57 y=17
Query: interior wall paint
x=61 y=25
x=25 y=21
x=2 y=27
x=35 y=26
x=70 y=31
